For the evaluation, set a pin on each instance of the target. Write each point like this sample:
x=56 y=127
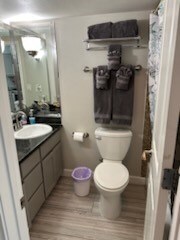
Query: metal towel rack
x=133 y=42
x=87 y=69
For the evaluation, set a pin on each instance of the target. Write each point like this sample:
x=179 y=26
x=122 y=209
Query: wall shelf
x=94 y=44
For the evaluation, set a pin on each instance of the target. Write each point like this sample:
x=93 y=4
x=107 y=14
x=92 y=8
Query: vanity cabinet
x=29 y=163
x=40 y=172
x=52 y=163
x=52 y=169
x=57 y=162
x=32 y=179
x=48 y=171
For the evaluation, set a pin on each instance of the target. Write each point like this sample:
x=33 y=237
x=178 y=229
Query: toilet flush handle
x=98 y=138
x=144 y=154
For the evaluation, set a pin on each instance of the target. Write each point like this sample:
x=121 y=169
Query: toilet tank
x=113 y=144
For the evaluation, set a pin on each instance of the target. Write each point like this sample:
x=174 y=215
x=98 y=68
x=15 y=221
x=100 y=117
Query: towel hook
x=138 y=67
x=87 y=69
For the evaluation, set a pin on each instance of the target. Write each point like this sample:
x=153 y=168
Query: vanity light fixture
x=32 y=45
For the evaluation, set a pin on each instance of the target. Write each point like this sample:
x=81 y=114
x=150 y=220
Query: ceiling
x=24 y=10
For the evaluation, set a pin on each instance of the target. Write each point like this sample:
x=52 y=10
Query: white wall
x=77 y=89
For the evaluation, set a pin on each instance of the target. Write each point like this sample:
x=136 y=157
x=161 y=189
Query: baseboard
x=67 y=172
x=133 y=179
x=137 y=180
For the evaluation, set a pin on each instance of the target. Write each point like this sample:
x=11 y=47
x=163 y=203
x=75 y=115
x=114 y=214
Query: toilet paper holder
x=85 y=135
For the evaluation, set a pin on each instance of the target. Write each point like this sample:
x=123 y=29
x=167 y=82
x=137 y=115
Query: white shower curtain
x=155 y=40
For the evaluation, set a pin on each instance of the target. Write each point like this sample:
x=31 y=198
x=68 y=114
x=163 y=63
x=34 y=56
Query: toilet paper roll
x=78 y=136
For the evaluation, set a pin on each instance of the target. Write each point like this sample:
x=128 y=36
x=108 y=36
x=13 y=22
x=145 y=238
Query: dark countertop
x=26 y=147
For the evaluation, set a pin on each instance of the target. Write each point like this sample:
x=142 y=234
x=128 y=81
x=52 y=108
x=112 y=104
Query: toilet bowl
x=111 y=177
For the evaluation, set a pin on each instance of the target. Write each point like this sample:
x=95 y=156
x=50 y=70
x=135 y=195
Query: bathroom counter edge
x=33 y=144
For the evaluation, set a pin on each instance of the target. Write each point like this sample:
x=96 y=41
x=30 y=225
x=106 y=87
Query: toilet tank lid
x=113 y=132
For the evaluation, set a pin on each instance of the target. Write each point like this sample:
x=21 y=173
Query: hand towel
x=122 y=110
x=102 y=76
x=100 y=31
x=122 y=29
x=102 y=102
x=123 y=76
x=114 y=56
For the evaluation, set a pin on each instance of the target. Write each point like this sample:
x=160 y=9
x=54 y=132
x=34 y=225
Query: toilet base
x=110 y=207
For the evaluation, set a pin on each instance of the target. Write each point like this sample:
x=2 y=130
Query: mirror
x=33 y=74
x=12 y=84
x=31 y=64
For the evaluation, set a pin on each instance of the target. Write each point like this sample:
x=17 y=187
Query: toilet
x=111 y=177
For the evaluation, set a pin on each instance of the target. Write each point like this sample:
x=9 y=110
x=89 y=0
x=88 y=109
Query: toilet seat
x=111 y=176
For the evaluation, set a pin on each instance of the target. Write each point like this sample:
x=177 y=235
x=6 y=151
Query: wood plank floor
x=65 y=216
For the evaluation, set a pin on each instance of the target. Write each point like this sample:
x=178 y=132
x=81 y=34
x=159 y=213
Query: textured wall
x=77 y=88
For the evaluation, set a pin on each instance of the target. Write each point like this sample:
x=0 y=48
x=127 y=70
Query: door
x=48 y=173
x=165 y=123
x=13 y=223
x=175 y=224
x=57 y=162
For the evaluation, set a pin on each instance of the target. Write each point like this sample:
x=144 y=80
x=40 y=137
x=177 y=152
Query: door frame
x=175 y=223
x=16 y=226
x=170 y=107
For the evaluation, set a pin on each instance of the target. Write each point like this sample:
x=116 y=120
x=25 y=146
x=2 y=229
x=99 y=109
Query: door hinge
x=22 y=202
x=170 y=179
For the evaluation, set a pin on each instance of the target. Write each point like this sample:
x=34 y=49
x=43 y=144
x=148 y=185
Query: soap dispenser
x=32 y=119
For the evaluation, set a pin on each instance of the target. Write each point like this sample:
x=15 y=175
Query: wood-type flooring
x=65 y=216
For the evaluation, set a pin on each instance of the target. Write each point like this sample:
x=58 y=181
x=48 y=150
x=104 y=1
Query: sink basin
x=32 y=131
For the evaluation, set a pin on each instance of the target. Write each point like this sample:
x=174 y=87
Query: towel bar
x=87 y=69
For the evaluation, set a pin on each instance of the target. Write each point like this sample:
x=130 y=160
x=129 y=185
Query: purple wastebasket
x=82 y=179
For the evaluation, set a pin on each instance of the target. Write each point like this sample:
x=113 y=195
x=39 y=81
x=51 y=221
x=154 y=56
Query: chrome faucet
x=18 y=123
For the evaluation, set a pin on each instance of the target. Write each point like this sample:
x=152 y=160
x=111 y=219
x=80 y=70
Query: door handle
x=145 y=153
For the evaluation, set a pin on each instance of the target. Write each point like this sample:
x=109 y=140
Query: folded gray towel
x=128 y=28
x=114 y=56
x=100 y=31
x=123 y=76
x=102 y=76
x=102 y=102
x=122 y=102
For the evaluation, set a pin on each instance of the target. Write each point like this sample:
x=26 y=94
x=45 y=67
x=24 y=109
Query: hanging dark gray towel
x=102 y=102
x=102 y=77
x=122 y=102
x=100 y=31
x=122 y=29
x=114 y=56
x=123 y=76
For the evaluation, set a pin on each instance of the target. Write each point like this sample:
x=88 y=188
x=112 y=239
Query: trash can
x=82 y=179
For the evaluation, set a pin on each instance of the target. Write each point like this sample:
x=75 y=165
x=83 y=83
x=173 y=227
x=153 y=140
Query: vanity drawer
x=36 y=202
x=50 y=144
x=29 y=163
x=33 y=181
